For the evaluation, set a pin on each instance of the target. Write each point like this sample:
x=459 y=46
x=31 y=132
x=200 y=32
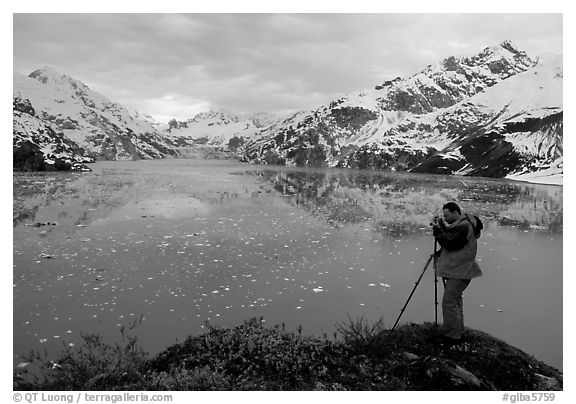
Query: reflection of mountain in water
x=537 y=208
x=400 y=203
x=38 y=189
x=62 y=201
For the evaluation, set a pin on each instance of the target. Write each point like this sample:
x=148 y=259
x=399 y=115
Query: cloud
x=258 y=62
x=173 y=106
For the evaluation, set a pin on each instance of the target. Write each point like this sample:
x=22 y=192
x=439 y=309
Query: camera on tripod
x=437 y=220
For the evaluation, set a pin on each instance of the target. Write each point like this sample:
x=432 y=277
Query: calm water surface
x=179 y=242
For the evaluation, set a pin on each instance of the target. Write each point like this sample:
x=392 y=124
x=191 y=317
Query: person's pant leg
x=453 y=307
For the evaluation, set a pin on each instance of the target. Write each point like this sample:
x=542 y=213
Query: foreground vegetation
x=361 y=356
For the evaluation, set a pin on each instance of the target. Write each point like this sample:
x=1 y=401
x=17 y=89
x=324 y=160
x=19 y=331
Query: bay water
x=166 y=245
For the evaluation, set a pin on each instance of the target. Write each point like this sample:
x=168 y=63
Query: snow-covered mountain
x=219 y=128
x=67 y=108
x=497 y=113
x=37 y=147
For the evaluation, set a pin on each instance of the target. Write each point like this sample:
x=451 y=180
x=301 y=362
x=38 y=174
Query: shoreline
x=250 y=356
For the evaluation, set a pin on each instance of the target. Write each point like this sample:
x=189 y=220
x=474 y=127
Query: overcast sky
x=176 y=65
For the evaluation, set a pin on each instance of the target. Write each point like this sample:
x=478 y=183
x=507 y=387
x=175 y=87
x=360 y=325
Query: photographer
x=457 y=235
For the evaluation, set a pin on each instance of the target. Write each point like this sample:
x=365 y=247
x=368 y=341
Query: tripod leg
x=435 y=284
x=413 y=290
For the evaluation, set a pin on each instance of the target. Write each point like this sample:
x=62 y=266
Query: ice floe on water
x=183 y=253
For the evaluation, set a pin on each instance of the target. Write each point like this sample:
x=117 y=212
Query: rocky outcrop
x=251 y=356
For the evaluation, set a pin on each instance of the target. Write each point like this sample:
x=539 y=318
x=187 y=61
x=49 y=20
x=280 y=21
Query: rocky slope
x=496 y=114
x=93 y=127
x=37 y=147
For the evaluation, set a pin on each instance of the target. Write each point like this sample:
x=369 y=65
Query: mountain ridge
x=100 y=128
x=497 y=113
x=417 y=123
x=218 y=127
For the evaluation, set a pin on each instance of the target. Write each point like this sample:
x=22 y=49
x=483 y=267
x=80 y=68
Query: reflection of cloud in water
x=172 y=206
x=403 y=203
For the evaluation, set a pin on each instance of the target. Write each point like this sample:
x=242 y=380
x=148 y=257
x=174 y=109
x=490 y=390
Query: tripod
x=432 y=257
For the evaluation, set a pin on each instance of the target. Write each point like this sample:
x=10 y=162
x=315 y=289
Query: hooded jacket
x=458 y=254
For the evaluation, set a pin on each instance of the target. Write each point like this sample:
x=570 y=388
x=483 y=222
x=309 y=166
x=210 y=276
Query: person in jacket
x=456 y=265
